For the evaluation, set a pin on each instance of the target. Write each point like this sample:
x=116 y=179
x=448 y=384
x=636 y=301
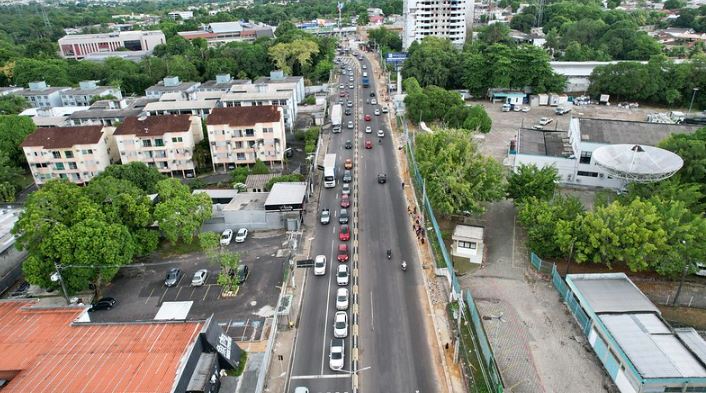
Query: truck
x=330 y=171
x=366 y=82
x=336 y=116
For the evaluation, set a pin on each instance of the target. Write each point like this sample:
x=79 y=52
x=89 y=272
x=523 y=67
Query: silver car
x=199 y=278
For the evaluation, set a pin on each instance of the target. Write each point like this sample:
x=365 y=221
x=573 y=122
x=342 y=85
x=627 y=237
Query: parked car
x=242 y=274
x=226 y=237
x=173 y=276
x=241 y=235
x=336 y=354
x=342 y=299
x=342 y=275
x=320 y=265
x=199 y=278
x=340 y=324
x=545 y=120
x=344 y=233
x=343 y=254
x=325 y=216
x=105 y=303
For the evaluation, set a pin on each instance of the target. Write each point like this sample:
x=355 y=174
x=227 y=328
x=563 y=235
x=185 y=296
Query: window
x=241 y=156
x=178 y=139
x=469 y=245
x=268 y=130
x=238 y=145
x=72 y=165
x=146 y=143
x=585 y=157
x=59 y=166
x=159 y=142
x=249 y=132
x=69 y=154
x=56 y=154
x=63 y=176
x=87 y=151
x=588 y=174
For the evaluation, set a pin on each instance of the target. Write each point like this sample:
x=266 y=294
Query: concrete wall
x=253 y=220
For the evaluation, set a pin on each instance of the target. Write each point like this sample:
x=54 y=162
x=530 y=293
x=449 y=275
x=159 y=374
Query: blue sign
x=396 y=57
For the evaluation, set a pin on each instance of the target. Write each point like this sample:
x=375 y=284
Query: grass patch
x=167 y=249
x=471 y=367
x=238 y=371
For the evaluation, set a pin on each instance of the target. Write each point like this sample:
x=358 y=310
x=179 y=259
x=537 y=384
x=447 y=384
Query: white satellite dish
x=637 y=163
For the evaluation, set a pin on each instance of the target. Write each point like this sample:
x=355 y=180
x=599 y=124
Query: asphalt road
x=395 y=354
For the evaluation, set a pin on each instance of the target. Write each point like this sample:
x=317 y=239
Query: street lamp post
x=56 y=276
x=693 y=95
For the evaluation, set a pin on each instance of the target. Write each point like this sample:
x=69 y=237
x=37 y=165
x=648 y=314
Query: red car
x=345 y=200
x=342 y=253
x=342 y=94
x=368 y=118
x=368 y=144
x=344 y=233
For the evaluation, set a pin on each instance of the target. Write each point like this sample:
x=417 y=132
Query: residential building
x=637 y=347
x=79 y=45
x=223 y=83
x=51 y=117
x=45 y=346
x=448 y=19
x=279 y=82
x=73 y=153
x=41 y=95
x=10 y=257
x=183 y=107
x=570 y=151
x=259 y=96
x=164 y=142
x=181 y=15
x=109 y=112
x=223 y=32
x=86 y=92
x=242 y=135
x=172 y=84
x=468 y=244
x=6 y=91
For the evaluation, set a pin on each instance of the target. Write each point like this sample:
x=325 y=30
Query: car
x=345 y=188
x=365 y=67
x=301 y=389
x=173 y=276
x=342 y=299
x=545 y=120
x=350 y=125
x=348 y=111
x=340 y=101
x=241 y=235
x=384 y=109
x=367 y=117
x=345 y=201
x=325 y=216
x=343 y=216
x=381 y=134
x=342 y=275
x=382 y=178
x=336 y=129
x=348 y=164
x=342 y=94
x=525 y=109
x=242 y=274
x=344 y=233
x=347 y=176
x=372 y=94
x=105 y=303
x=368 y=129
x=351 y=86
x=337 y=354
x=320 y=265
x=506 y=108
x=351 y=78
x=342 y=253
x=348 y=145
x=340 y=324
x=226 y=237
x=341 y=86
x=538 y=126
x=373 y=101
x=377 y=112
x=199 y=278
x=349 y=104
x=368 y=144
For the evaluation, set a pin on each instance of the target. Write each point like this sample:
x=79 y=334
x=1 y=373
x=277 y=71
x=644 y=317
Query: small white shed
x=468 y=243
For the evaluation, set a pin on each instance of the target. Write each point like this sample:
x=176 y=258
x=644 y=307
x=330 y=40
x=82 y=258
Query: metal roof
x=611 y=293
x=468 y=231
x=258 y=181
x=637 y=162
x=544 y=143
x=225 y=27
x=289 y=193
x=607 y=131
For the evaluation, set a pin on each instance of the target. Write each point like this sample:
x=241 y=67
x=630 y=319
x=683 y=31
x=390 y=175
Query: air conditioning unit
x=600 y=175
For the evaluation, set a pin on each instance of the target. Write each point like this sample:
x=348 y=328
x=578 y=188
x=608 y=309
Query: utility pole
x=693 y=95
x=683 y=275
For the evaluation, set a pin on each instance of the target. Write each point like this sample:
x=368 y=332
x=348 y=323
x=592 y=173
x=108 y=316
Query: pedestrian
x=422 y=240
x=402 y=185
x=414 y=211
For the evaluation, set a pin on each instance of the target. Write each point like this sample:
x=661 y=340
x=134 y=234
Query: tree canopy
x=531 y=181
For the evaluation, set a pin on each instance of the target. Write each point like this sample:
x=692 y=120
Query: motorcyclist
x=404 y=265
x=389 y=253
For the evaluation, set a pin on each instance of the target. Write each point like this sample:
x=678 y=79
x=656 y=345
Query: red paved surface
x=45 y=353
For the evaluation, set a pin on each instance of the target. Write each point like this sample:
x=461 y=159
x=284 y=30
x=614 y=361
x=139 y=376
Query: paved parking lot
x=141 y=292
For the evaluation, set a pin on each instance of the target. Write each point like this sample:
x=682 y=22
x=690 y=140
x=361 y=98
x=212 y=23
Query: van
x=506 y=108
x=365 y=75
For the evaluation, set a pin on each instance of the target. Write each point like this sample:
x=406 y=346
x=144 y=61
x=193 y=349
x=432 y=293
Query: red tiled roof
x=48 y=354
x=239 y=116
x=154 y=125
x=61 y=137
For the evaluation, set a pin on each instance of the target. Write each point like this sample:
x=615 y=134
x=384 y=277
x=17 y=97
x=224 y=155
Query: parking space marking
x=149 y=296
x=205 y=294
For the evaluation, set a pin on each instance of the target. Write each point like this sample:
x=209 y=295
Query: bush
x=310 y=100
x=259 y=168
x=240 y=174
x=294 y=177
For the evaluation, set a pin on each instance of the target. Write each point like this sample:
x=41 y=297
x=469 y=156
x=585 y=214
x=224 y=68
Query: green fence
x=483 y=370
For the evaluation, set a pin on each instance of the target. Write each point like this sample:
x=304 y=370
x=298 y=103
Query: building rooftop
x=87 y=92
x=222 y=86
x=63 y=137
x=612 y=293
x=43 y=350
x=217 y=193
x=544 y=143
x=247 y=201
x=629 y=132
x=288 y=193
x=240 y=116
x=153 y=125
x=180 y=105
x=182 y=86
x=248 y=96
x=258 y=181
x=283 y=79
x=109 y=35
x=468 y=231
x=42 y=92
x=224 y=27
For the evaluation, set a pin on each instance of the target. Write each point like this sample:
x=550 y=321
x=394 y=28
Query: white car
x=320 y=265
x=337 y=354
x=373 y=101
x=384 y=109
x=341 y=86
x=545 y=121
x=342 y=275
x=350 y=125
x=377 y=112
x=368 y=129
x=241 y=235
x=351 y=86
x=381 y=134
x=365 y=67
x=342 y=299
x=226 y=237
x=340 y=325
x=199 y=278
x=346 y=188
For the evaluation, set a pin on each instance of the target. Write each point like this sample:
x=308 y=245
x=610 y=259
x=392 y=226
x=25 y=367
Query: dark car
x=243 y=272
x=349 y=144
x=173 y=276
x=372 y=94
x=348 y=111
x=105 y=303
x=382 y=178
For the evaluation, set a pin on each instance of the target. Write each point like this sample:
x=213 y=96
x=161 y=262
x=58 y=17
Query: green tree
x=10 y=179
x=13 y=130
x=179 y=213
x=12 y=105
x=240 y=174
x=541 y=219
x=494 y=33
x=674 y=4
x=144 y=177
x=259 y=168
x=458 y=177
x=294 y=177
x=433 y=61
x=362 y=20
x=692 y=149
x=531 y=181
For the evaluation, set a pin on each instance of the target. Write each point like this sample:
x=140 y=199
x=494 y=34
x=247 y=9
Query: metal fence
x=480 y=346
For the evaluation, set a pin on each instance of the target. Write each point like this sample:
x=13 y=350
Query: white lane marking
x=322 y=376
x=372 y=313
x=328 y=299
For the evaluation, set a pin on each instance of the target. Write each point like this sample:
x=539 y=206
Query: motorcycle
x=389 y=254
x=404 y=266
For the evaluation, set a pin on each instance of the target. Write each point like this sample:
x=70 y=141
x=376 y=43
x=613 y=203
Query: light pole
x=693 y=95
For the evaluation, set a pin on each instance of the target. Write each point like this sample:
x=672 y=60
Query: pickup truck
x=562 y=110
x=325 y=216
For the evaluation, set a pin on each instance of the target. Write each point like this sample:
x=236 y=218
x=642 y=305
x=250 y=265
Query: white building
x=468 y=244
x=140 y=42
x=442 y=18
x=259 y=96
x=41 y=95
x=570 y=151
x=86 y=92
x=172 y=84
x=279 y=82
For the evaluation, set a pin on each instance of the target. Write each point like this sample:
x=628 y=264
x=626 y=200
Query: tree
x=240 y=174
x=362 y=20
x=179 y=213
x=13 y=130
x=531 y=181
x=227 y=260
x=385 y=39
x=294 y=177
x=10 y=179
x=458 y=178
x=144 y=177
x=12 y=105
x=541 y=218
x=299 y=52
x=523 y=22
x=494 y=34
x=674 y=4
x=692 y=149
x=259 y=168
x=433 y=61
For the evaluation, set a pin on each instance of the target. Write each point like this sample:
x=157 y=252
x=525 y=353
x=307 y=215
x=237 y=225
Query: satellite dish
x=637 y=163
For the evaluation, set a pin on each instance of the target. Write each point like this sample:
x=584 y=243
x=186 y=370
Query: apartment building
x=223 y=83
x=242 y=135
x=164 y=142
x=73 y=153
x=86 y=92
x=278 y=81
x=139 y=42
x=109 y=112
x=173 y=86
x=41 y=95
x=441 y=18
x=260 y=96
x=223 y=32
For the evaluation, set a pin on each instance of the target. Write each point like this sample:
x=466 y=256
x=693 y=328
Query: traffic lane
x=339 y=383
